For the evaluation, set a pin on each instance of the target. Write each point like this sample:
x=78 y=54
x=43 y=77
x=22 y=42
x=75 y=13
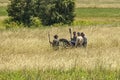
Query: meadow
x=25 y=53
x=28 y=52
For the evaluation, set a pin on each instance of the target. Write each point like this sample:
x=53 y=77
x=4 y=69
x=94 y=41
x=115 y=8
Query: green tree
x=48 y=11
x=21 y=11
x=45 y=10
x=65 y=9
x=55 y=11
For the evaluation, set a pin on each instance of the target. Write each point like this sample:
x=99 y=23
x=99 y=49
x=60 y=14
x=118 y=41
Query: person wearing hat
x=79 y=40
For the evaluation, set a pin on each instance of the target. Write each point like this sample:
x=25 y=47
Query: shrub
x=9 y=23
x=21 y=11
x=55 y=11
x=48 y=11
x=35 y=21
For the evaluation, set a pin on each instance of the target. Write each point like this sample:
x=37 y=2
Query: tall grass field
x=25 y=53
x=29 y=49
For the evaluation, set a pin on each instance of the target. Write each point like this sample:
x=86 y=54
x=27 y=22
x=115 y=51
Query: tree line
x=48 y=11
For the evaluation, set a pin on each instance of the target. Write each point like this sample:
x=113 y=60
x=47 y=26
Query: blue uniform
x=73 y=41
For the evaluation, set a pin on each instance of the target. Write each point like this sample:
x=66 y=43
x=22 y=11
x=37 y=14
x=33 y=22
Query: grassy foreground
x=72 y=74
x=22 y=49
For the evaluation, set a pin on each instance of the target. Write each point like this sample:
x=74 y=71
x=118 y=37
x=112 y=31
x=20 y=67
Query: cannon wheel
x=64 y=43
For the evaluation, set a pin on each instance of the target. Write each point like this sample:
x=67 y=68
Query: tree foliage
x=21 y=11
x=56 y=11
x=48 y=11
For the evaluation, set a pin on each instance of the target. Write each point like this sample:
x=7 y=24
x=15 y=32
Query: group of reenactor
x=78 y=40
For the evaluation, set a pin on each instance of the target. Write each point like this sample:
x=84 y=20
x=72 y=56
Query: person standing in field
x=55 y=42
x=79 y=40
x=73 y=40
x=84 y=44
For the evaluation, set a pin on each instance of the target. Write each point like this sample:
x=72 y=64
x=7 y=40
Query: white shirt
x=79 y=41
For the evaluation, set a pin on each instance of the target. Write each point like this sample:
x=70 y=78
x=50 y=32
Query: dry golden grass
x=98 y=3
x=95 y=5
x=29 y=48
x=2 y=18
x=4 y=2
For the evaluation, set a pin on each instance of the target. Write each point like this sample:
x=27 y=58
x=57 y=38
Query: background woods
x=49 y=12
